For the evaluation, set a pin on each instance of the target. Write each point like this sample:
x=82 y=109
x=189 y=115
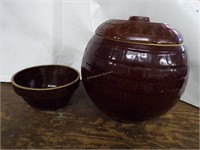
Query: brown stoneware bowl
x=135 y=69
x=46 y=87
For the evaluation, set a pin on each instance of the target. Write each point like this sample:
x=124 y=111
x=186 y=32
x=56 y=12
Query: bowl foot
x=50 y=104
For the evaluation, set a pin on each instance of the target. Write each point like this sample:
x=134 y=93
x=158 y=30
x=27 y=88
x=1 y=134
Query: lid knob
x=139 y=18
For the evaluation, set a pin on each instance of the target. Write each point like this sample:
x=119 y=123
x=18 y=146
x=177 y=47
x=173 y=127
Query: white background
x=37 y=32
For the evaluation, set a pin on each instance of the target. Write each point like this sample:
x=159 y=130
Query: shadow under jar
x=47 y=87
x=134 y=69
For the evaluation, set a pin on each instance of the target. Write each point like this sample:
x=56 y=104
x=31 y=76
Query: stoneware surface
x=46 y=87
x=134 y=69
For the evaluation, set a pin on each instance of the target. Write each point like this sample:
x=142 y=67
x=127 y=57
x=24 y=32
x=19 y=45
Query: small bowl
x=46 y=87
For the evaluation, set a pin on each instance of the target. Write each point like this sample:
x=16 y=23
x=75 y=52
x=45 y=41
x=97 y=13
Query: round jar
x=135 y=69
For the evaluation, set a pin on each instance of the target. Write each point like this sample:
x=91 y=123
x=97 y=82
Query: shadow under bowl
x=46 y=87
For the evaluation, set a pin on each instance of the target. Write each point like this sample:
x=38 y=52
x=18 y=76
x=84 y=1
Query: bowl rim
x=44 y=89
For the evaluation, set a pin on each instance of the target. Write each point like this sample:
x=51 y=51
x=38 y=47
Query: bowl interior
x=46 y=76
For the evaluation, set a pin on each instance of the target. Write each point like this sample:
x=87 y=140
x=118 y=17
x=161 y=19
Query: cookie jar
x=135 y=69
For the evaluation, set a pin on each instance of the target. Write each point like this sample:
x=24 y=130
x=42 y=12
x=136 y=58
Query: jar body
x=131 y=81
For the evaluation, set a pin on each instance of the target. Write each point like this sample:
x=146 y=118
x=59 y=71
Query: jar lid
x=139 y=30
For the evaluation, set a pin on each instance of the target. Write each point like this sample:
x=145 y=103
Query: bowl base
x=50 y=104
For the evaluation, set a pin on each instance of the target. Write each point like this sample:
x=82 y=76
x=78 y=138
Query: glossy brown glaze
x=46 y=87
x=139 y=29
x=131 y=80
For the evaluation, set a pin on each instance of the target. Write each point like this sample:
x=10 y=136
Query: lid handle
x=139 y=18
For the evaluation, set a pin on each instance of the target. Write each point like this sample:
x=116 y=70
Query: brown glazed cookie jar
x=135 y=69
